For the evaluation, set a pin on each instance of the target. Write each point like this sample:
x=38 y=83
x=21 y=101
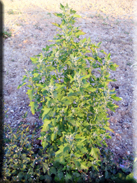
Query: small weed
x=117 y=22
x=104 y=23
x=126 y=32
x=6 y=34
x=18 y=24
x=129 y=63
x=49 y=14
x=99 y=16
x=10 y=12
x=25 y=115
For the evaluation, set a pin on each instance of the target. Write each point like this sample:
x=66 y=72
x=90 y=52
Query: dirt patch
x=105 y=21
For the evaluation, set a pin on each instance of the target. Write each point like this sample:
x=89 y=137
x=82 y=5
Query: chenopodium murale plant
x=72 y=100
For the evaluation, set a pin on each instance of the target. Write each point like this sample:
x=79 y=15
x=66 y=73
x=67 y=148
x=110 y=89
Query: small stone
x=12 y=111
x=117 y=148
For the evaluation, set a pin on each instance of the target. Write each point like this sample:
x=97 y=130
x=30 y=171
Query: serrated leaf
x=34 y=60
x=95 y=152
x=46 y=123
x=32 y=105
x=30 y=94
x=83 y=166
x=44 y=144
x=46 y=111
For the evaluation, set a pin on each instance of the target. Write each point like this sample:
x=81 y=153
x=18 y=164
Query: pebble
x=117 y=148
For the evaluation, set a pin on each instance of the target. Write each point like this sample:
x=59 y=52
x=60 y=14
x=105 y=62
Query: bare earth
x=108 y=21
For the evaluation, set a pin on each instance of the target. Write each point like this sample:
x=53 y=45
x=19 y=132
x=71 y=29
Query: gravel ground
x=109 y=22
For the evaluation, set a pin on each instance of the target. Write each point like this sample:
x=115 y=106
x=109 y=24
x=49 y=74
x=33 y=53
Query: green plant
x=6 y=34
x=21 y=162
x=10 y=12
x=70 y=90
x=49 y=14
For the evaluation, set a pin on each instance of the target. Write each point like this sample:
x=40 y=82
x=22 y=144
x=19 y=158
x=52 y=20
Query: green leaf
x=77 y=163
x=58 y=15
x=68 y=177
x=115 y=97
x=46 y=49
x=83 y=166
x=21 y=85
x=46 y=111
x=44 y=144
x=77 y=16
x=24 y=78
x=57 y=25
x=108 y=128
x=36 y=74
x=53 y=136
x=34 y=60
x=60 y=175
x=62 y=7
x=84 y=40
x=30 y=94
x=52 y=170
x=91 y=89
x=95 y=152
x=32 y=105
x=108 y=56
x=106 y=175
x=87 y=76
x=113 y=67
x=111 y=106
x=79 y=33
x=20 y=175
x=50 y=68
x=72 y=11
x=66 y=101
x=46 y=123
x=66 y=149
